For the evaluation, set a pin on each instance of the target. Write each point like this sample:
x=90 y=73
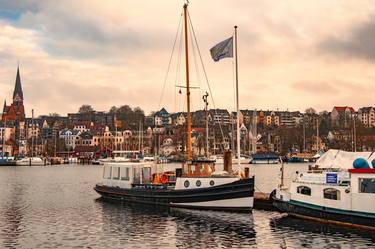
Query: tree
x=310 y=111
x=85 y=109
x=113 y=110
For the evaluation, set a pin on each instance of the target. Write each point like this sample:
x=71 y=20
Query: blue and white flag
x=222 y=50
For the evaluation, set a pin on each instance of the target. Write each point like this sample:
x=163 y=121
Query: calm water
x=56 y=207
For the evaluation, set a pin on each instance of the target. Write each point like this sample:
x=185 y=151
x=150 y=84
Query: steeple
x=5 y=104
x=18 y=94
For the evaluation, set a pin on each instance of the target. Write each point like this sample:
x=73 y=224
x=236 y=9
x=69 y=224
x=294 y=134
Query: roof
x=219 y=111
x=177 y=114
x=18 y=88
x=86 y=135
x=365 y=109
x=343 y=108
x=162 y=112
x=74 y=132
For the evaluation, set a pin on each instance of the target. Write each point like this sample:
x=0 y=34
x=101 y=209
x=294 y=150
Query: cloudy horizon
x=292 y=54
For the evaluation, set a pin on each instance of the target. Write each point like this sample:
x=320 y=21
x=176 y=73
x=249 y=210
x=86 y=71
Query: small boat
x=333 y=194
x=266 y=158
x=31 y=161
x=220 y=160
x=122 y=156
x=7 y=161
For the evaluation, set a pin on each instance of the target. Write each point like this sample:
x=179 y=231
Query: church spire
x=18 y=94
x=5 y=104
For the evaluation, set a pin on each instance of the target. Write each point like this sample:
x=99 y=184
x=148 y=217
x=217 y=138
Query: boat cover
x=342 y=159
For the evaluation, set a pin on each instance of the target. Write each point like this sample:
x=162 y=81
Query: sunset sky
x=292 y=54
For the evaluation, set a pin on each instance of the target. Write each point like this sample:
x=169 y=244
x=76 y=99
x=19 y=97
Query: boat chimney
x=228 y=161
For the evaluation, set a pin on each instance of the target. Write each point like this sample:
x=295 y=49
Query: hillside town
x=91 y=133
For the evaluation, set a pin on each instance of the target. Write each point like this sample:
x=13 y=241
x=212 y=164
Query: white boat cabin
x=351 y=190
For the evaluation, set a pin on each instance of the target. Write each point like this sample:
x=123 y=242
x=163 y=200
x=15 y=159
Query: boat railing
x=151 y=186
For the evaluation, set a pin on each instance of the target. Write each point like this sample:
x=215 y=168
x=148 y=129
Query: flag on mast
x=222 y=50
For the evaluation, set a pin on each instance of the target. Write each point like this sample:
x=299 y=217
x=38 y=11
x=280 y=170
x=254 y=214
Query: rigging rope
x=170 y=60
x=178 y=69
x=206 y=77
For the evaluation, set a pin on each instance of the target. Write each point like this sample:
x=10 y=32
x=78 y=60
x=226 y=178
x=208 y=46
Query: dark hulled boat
x=196 y=185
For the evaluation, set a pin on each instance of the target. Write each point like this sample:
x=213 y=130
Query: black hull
x=325 y=216
x=170 y=197
x=8 y=163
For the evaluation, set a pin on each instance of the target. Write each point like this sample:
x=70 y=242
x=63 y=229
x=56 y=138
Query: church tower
x=16 y=111
x=17 y=93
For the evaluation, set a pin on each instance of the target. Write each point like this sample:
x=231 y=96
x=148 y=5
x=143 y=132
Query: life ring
x=164 y=179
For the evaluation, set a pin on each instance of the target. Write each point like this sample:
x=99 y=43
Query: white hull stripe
x=245 y=202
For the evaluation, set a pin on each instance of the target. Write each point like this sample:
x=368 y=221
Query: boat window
x=367 y=185
x=186 y=184
x=198 y=183
x=212 y=183
x=331 y=193
x=125 y=174
x=107 y=172
x=303 y=190
x=192 y=169
x=116 y=173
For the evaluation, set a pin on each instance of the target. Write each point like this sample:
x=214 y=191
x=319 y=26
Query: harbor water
x=56 y=207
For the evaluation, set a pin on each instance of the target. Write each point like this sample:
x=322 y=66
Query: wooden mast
x=187 y=85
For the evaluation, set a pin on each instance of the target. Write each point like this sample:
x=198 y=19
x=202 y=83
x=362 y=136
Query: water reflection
x=302 y=233
x=12 y=215
x=173 y=227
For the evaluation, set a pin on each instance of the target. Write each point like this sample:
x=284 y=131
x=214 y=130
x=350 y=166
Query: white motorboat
x=340 y=190
x=31 y=161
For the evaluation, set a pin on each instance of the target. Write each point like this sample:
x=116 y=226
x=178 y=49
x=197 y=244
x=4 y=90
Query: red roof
x=343 y=108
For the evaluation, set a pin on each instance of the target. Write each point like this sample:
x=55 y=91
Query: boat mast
x=187 y=84
x=237 y=102
x=317 y=135
x=5 y=126
x=205 y=99
x=139 y=137
x=32 y=132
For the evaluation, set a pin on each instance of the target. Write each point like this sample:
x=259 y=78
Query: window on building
x=125 y=174
x=367 y=185
x=116 y=173
x=107 y=172
x=331 y=193
x=303 y=190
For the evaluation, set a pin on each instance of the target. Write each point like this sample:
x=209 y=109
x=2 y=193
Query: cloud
x=359 y=42
x=116 y=52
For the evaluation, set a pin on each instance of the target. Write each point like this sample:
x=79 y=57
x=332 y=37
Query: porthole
x=186 y=184
x=198 y=183
x=212 y=183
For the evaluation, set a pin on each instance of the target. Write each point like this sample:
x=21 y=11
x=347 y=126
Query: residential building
x=367 y=116
x=219 y=116
x=70 y=137
x=162 y=118
x=341 y=115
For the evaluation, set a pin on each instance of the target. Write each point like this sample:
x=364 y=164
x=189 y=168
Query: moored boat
x=343 y=195
x=196 y=185
x=7 y=161
x=264 y=158
x=31 y=161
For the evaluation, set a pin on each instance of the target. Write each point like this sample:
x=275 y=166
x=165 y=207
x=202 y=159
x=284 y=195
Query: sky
x=293 y=54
